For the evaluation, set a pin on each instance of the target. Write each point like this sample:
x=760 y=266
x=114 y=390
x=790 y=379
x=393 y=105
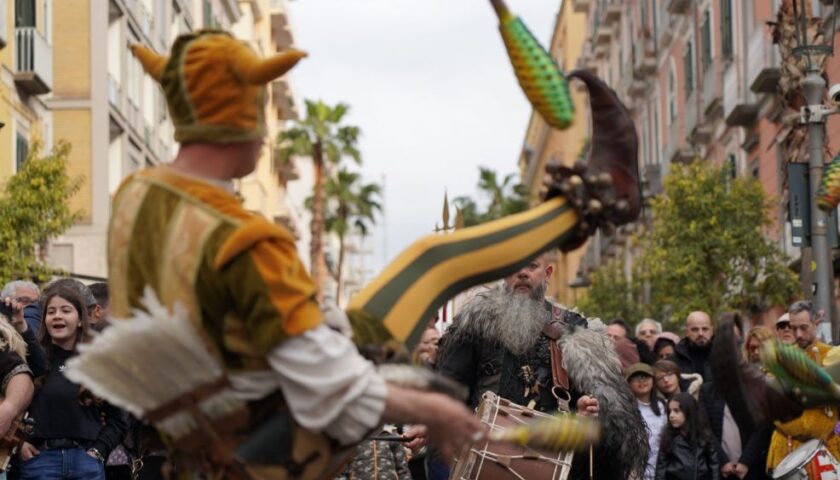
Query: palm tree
x=506 y=197
x=349 y=203
x=321 y=137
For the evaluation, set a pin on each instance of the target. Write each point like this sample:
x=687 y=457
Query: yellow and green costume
x=237 y=274
x=815 y=422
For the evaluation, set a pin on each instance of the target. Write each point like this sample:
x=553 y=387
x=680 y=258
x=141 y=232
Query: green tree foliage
x=504 y=198
x=705 y=250
x=613 y=294
x=349 y=204
x=34 y=207
x=323 y=137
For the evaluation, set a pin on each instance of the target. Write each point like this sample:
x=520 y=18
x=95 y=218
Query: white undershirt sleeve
x=328 y=386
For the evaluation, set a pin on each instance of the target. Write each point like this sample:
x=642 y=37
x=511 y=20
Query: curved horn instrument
x=435 y=268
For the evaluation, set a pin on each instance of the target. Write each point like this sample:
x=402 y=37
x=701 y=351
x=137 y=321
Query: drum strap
x=559 y=377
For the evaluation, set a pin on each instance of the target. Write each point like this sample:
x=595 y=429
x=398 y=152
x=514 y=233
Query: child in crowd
x=652 y=408
x=686 y=451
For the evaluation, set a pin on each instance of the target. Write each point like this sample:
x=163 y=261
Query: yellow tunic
x=813 y=423
x=238 y=275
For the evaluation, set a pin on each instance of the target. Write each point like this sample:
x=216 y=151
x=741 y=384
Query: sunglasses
x=783 y=326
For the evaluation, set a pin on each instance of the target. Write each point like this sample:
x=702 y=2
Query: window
x=688 y=67
x=21 y=151
x=732 y=166
x=656 y=131
x=672 y=98
x=726 y=28
x=2 y=23
x=707 y=40
x=24 y=13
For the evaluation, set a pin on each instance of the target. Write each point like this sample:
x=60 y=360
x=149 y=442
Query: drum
x=811 y=461
x=495 y=460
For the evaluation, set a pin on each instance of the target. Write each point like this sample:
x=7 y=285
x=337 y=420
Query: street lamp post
x=814 y=115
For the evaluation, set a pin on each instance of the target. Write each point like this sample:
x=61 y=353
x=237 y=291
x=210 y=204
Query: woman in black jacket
x=687 y=449
x=74 y=432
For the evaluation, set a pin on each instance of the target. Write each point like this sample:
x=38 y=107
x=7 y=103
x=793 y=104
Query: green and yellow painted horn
x=601 y=192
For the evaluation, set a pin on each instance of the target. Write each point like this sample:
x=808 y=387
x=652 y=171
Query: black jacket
x=60 y=412
x=754 y=444
x=692 y=361
x=685 y=462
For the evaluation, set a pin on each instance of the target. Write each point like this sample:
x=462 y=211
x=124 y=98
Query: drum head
x=797 y=459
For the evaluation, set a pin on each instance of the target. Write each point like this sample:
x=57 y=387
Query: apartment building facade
x=115 y=116
x=26 y=79
x=700 y=78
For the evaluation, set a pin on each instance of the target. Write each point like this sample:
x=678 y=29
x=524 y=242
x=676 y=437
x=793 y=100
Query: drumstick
x=561 y=432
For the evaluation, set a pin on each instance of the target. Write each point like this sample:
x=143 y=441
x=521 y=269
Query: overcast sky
x=432 y=89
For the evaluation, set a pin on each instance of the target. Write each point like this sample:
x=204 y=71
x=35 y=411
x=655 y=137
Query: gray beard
x=519 y=321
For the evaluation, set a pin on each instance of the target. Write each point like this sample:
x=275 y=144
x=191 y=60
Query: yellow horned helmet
x=215 y=85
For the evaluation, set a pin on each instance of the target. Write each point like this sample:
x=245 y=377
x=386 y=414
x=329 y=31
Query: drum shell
x=810 y=461
x=501 y=460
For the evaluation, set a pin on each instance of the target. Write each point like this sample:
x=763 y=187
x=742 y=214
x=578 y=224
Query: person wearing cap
x=181 y=232
x=640 y=378
x=784 y=331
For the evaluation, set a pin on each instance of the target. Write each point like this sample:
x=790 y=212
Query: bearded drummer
x=501 y=342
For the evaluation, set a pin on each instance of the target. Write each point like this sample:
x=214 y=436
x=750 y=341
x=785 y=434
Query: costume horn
x=152 y=63
x=257 y=71
x=615 y=145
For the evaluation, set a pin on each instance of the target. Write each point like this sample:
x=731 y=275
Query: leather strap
x=558 y=374
x=554 y=330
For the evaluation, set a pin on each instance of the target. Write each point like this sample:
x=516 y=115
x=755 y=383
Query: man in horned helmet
x=180 y=230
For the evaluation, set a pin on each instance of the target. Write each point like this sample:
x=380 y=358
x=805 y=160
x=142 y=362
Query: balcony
x=33 y=61
x=281 y=94
x=712 y=85
x=644 y=59
x=281 y=29
x=637 y=89
x=602 y=50
x=739 y=105
x=603 y=35
x=612 y=13
x=581 y=6
x=691 y=115
x=678 y=7
x=763 y=63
